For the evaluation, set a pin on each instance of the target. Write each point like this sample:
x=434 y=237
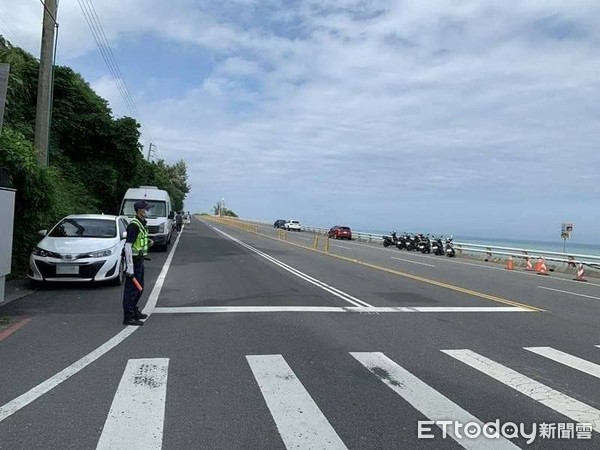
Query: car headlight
x=101 y=253
x=161 y=228
x=45 y=253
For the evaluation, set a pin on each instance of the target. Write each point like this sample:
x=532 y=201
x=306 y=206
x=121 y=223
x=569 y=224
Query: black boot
x=140 y=315
x=133 y=321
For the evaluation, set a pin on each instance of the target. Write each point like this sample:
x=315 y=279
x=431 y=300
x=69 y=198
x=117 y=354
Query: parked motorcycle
x=411 y=242
x=449 y=247
x=390 y=240
x=437 y=246
x=424 y=245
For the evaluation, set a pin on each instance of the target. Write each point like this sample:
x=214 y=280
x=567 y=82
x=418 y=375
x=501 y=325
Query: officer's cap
x=142 y=204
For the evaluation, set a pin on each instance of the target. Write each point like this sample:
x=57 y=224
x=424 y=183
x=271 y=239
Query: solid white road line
x=338 y=293
x=34 y=393
x=298 y=418
x=136 y=416
x=568 y=360
x=561 y=403
x=412 y=262
x=431 y=403
x=153 y=298
x=337 y=309
x=569 y=292
x=23 y=400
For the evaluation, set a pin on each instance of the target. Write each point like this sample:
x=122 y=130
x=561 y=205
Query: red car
x=340 y=233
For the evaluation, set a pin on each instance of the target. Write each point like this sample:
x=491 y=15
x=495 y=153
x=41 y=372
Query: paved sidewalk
x=16 y=289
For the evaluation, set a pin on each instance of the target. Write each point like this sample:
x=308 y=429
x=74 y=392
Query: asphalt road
x=254 y=342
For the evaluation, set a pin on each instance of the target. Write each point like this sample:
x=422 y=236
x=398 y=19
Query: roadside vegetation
x=94 y=157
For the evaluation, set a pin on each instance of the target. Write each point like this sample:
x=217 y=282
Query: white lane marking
x=338 y=309
x=431 y=403
x=341 y=246
x=36 y=392
x=563 y=404
x=298 y=418
x=412 y=262
x=338 y=293
x=568 y=360
x=569 y=292
x=136 y=416
x=160 y=281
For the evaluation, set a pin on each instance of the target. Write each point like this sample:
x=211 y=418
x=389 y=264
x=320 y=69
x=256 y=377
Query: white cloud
x=326 y=108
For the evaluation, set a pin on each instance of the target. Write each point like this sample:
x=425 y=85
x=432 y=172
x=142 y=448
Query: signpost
x=7 y=198
x=565 y=233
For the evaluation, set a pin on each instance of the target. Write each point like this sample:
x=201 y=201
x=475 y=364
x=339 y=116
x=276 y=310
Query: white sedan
x=83 y=247
x=293 y=225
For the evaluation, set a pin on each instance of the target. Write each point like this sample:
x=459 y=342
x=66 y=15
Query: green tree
x=94 y=157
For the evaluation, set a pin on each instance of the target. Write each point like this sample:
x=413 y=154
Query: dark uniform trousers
x=131 y=295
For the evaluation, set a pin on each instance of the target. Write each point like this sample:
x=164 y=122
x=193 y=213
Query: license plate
x=67 y=269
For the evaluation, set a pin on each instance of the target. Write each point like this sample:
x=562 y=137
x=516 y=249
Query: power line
x=111 y=56
x=91 y=17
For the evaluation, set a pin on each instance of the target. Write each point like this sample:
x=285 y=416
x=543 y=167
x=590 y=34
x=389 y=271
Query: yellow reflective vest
x=140 y=246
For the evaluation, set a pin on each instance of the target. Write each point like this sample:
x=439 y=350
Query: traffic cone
x=580 y=273
x=543 y=270
x=529 y=266
x=510 y=264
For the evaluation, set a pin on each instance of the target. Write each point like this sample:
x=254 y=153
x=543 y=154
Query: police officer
x=136 y=248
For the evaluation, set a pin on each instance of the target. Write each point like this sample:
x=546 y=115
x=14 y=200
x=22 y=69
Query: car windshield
x=85 y=228
x=158 y=208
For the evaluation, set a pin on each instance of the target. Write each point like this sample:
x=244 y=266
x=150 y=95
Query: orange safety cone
x=580 y=273
x=543 y=270
x=529 y=266
x=510 y=264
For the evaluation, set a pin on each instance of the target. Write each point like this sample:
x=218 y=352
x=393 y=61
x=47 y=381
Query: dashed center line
x=569 y=292
x=413 y=262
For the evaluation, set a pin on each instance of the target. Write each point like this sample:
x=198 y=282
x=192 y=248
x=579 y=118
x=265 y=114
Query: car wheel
x=120 y=279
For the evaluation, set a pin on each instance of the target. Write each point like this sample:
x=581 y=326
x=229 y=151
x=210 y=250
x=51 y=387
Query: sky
x=457 y=117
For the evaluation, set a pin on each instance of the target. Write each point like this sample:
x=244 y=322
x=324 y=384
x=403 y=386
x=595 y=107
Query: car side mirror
x=171 y=215
x=43 y=233
x=124 y=235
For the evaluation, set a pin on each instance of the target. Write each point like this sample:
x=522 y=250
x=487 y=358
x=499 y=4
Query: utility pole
x=150 y=150
x=45 y=81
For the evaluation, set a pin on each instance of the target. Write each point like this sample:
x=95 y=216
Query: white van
x=160 y=216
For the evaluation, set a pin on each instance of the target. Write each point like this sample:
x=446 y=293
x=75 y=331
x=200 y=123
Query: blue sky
x=465 y=117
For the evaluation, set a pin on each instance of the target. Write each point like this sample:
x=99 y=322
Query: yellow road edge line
x=407 y=275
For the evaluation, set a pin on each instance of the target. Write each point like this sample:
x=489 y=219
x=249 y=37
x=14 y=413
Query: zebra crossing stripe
x=568 y=360
x=559 y=402
x=136 y=416
x=298 y=418
x=431 y=403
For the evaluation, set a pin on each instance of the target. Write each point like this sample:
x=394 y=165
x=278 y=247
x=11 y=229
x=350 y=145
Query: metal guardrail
x=569 y=259
x=523 y=253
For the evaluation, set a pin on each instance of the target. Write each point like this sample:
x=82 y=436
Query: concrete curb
x=16 y=289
